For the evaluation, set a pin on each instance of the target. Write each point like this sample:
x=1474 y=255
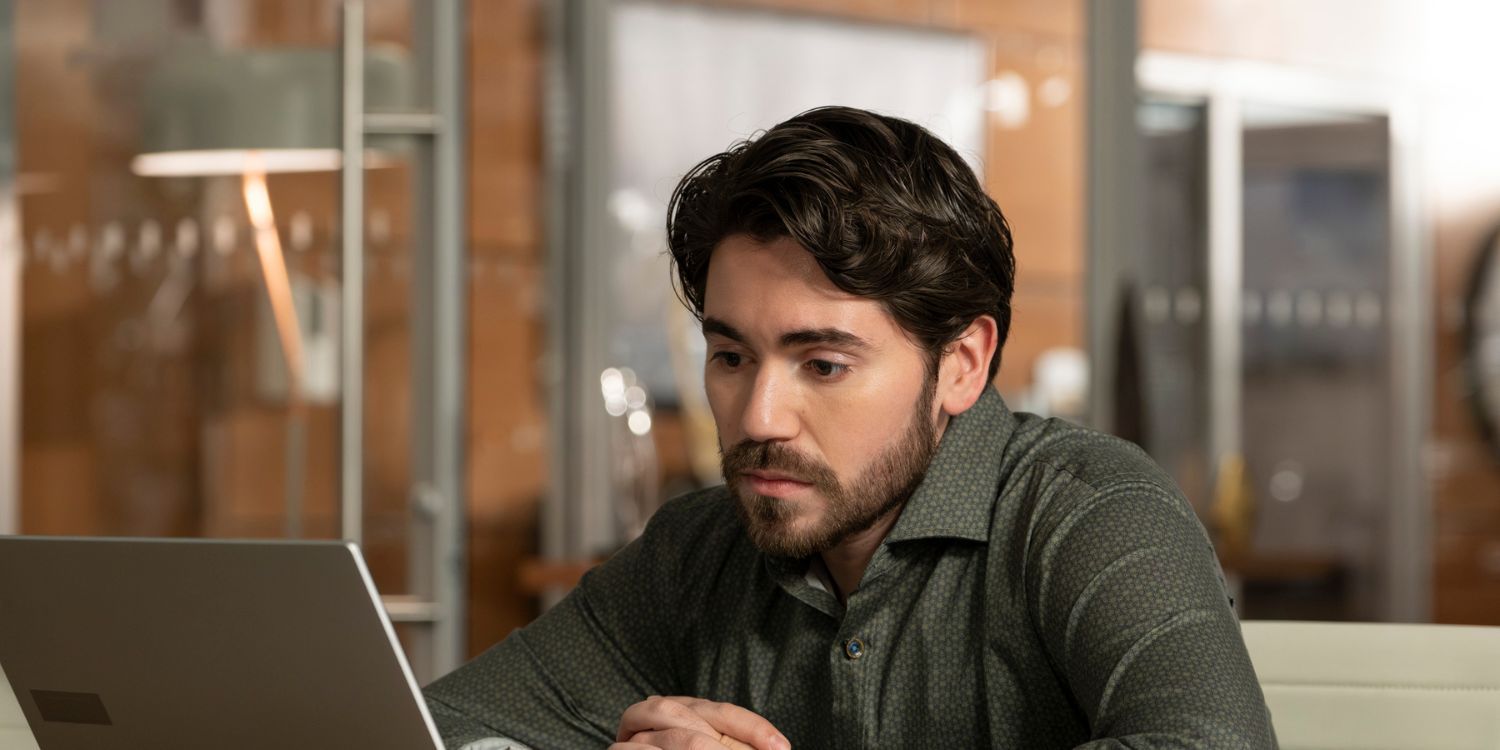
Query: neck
x=846 y=561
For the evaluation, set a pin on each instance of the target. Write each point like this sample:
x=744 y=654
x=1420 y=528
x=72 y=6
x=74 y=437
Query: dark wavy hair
x=890 y=212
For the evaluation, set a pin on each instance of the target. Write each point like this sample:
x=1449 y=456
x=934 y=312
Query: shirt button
x=854 y=648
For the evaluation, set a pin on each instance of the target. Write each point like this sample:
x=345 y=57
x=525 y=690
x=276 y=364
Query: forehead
x=772 y=287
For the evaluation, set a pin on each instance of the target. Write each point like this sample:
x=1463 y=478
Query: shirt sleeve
x=564 y=680
x=1132 y=607
x=461 y=732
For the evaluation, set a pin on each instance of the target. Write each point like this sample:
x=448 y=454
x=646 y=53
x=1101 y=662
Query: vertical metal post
x=352 y=270
x=11 y=257
x=578 y=517
x=426 y=501
x=449 y=289
x=1409 y=562
x=433 y=608
x=1225 y=276
x=1115 y=175
x=557 y=149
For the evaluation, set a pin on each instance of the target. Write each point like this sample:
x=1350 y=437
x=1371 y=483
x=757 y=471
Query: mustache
x=749 y=455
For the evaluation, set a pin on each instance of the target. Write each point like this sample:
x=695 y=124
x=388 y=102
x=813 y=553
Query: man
x=896 y=560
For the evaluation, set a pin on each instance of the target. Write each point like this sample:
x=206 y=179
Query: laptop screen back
x=187 y=643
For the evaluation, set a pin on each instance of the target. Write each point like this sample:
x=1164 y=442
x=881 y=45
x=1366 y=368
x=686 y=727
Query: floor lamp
x=249 y=113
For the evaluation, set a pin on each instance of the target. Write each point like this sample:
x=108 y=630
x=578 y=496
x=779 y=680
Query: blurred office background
x=392 y=270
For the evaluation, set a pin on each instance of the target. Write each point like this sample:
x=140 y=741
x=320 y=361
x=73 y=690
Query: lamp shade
x=209 y=111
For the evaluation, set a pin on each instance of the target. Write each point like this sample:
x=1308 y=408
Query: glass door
x=1168 y=298
x=1268 y=345
x=1315 y=361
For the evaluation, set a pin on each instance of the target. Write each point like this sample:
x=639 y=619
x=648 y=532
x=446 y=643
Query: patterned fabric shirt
x=1046 y=586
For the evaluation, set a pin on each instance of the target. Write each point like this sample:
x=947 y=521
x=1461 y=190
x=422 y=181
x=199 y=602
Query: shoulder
x=1079 y=456
x=692 y=530
x=699 y=514
x=1064 y=480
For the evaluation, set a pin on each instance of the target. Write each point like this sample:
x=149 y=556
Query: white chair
x=1377 y=686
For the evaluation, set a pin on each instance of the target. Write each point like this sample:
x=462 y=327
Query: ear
x=965 y=368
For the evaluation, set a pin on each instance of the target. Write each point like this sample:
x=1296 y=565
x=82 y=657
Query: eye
x=827 y=370
x=728 y=359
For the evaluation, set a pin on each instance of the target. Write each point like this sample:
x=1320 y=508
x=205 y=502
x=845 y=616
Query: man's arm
x=565 y=679
x=1131 y=604
x=462 y=732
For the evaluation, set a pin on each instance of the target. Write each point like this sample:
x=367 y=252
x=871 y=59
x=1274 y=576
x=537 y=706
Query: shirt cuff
x=495 y=743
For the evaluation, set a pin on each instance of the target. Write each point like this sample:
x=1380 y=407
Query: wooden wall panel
x=1373 y=37
x=59 y=487
x=507 y=439
x=505 y=118
x=1045 y=18
x=1043 y=318
x=1465 y=470
x=1034 y=169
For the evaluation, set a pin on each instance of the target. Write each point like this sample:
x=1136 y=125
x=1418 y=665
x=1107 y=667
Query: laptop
x=134 y=643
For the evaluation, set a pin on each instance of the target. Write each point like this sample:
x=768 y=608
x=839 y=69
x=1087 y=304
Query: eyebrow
x=716 y=327
x=800 y=337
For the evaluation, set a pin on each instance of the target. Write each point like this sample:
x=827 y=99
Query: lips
x=775 y=476
x=775 y=484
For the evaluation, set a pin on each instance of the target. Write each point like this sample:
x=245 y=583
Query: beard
x=882 y=488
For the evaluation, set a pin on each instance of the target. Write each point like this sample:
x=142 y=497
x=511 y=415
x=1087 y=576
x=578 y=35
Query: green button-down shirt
x=1045 y=587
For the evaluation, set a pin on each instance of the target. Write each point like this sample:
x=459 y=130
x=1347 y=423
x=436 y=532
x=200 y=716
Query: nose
x=770 y=412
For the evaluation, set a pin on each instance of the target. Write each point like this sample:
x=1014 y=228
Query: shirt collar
x=957 y=497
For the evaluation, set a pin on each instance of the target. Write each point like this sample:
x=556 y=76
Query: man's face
x=824 y=405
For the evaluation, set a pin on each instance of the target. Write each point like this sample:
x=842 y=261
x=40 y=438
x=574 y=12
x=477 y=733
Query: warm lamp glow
x=236 y=162
x=273 y=269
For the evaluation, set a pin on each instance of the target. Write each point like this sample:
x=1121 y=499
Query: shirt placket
x=857 y=659
x=852 y=656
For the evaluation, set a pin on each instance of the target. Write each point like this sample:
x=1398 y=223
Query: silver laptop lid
x=119 y=643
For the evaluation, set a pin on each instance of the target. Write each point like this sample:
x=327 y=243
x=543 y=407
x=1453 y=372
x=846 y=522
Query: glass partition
x=181 y=225
x=1167 y=301
x=1316 y=361
x=1263 y=300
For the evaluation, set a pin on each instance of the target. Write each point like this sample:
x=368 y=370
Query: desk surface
x=14 y=734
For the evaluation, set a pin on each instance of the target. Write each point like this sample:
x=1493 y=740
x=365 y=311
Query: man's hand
x=681 y=723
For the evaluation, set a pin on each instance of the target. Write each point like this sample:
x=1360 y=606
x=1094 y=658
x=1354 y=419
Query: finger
x=632 y=746
x=678 y=739
x=739 y=723
x=659 y=712
x=724 y=740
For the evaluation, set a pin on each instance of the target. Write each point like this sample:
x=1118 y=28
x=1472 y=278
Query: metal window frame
x=1114 y=202
x=12 y=257
x=577 y=519
x=1222 y=86
x=435 y=605
x=352 y=272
